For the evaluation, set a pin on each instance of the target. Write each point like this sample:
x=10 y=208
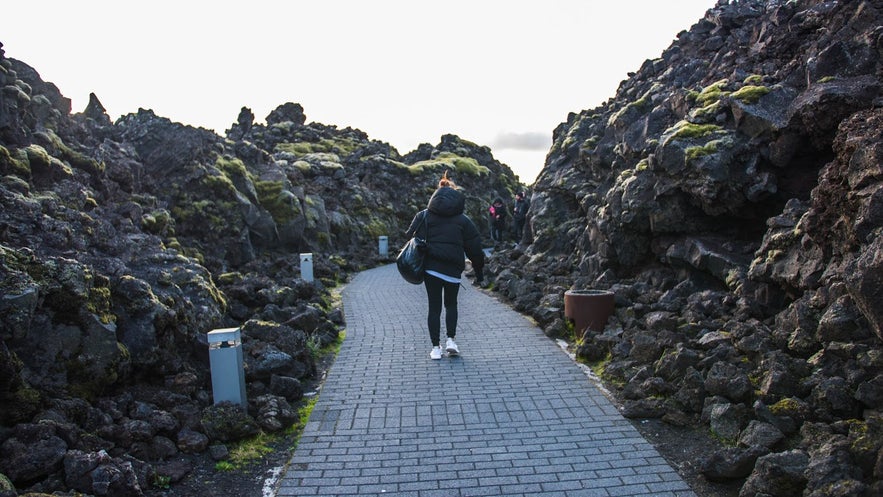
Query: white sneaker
x=451 y=347
x=436 y=353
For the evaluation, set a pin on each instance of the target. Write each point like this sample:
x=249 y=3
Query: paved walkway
x=512 y=416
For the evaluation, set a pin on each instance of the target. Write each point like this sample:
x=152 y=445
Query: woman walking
x=451 y=237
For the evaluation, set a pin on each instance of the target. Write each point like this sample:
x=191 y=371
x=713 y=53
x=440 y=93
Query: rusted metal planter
x=588 y=309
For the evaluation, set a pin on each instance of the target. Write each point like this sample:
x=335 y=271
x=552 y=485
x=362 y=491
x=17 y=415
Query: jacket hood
x=447 y=202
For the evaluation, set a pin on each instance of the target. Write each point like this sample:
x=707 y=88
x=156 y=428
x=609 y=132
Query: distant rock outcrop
x=122 y=244
x=730 y=195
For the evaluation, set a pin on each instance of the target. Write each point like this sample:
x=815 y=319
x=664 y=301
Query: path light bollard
x=588 y=309
x=306 y=267
x=383 y=246
x=228 y=372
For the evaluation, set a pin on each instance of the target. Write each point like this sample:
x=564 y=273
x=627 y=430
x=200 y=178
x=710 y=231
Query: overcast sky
x=502 y=73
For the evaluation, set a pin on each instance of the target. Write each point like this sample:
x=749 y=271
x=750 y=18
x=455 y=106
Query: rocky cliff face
x=730 y=195
x=122 y=244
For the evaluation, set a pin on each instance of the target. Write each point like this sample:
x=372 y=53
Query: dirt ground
x=683 y=447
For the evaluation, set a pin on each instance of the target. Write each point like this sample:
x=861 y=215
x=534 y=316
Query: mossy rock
x=158 y=222
x=76 y=159
x=448 y=160
x=281 y=203
x=12 y=165
x=754 y=79
x=750 y=94
x=377 y=228
x=693 y=153
x=38 y=156
x=637 y=108
x=711 y=93
x=6 y=485
x=231 y=166
x=685 y=130
x=231 y=278
x=340 y=146
x=792 y=407
x=21 y=406
x=705 y=114
x=228 y=422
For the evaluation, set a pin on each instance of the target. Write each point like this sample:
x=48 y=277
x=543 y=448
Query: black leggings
x=435 y=287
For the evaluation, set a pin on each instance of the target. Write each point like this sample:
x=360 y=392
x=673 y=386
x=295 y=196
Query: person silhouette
x=449 y=235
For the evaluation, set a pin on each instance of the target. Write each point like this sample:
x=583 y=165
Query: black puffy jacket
x=452 y=235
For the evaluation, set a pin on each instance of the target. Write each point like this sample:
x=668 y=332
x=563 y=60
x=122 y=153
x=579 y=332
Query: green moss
x=428 y=165
x=377 y=228
x=449 y=160
x=642 y=165
x=6 y=485
x=74 y=158
x=725 y=441
x=693 y=153
x=827 y=79
x=388 y=161
x=251 y=450
x=13 y=165
x=754 y=79
x=279 y=202
x=687 y=130
x=23 y=403
x=174 y=244
x=37 y=156
x=785 y=407
x=299 y=148
x=99 y=304
x=161 y=482
x=750 y=94
x=590 y=143
x=303 y=416
x=706 y=113
x=640 y=105
x=207 y=214
x=81 y=161
x=231 y=166
x=710 y=94
x=158 y=222
x=303 y=165
x=464 y=165
x=230 y=278
x=340 y=146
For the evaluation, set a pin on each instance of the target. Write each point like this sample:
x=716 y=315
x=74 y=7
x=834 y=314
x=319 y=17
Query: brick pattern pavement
x=512 y=416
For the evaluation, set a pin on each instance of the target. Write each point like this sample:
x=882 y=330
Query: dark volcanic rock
x=123 y=243
x=730 y=195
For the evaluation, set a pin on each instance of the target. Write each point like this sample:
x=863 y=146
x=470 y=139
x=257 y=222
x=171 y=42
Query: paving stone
x=512 y=415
